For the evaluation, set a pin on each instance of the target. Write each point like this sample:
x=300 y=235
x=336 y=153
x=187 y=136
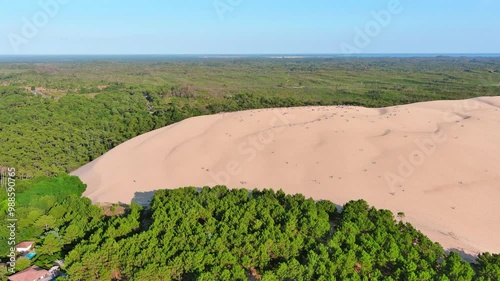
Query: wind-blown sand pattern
x=438 y=162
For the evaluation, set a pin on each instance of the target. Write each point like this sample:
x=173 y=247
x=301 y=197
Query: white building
x=25 y=246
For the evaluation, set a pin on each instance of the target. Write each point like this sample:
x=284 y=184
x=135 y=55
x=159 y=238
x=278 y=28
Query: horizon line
x=245 y=54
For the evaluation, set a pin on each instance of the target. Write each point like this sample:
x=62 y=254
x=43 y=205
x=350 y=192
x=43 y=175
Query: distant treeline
x=221 y=234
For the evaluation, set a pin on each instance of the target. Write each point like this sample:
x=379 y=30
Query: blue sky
x=248 y=26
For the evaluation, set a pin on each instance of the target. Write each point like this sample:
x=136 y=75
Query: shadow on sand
x=144 y=198
x=465 y=256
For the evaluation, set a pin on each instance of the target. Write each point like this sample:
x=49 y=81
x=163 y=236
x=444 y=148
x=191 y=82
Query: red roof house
x=33 y=273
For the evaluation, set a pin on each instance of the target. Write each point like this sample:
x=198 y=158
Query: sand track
x=436 y=161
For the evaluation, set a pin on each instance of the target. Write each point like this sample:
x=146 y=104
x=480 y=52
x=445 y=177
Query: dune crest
x=435 y=161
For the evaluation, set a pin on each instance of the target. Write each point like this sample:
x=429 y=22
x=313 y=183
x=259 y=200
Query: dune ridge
x=435 y=161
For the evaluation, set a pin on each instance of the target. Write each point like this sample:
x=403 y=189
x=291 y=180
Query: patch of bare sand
x=436 y=161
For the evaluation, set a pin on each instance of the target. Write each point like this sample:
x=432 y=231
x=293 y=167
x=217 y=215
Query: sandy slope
x=438 y=162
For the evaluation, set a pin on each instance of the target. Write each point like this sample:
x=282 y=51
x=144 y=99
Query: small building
x=33 y=273
x=25 y=246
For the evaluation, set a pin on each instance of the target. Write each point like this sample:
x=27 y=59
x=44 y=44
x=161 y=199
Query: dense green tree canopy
x=221 y=234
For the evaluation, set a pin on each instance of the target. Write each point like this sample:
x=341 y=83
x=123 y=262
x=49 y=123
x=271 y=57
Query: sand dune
x=438 y=162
